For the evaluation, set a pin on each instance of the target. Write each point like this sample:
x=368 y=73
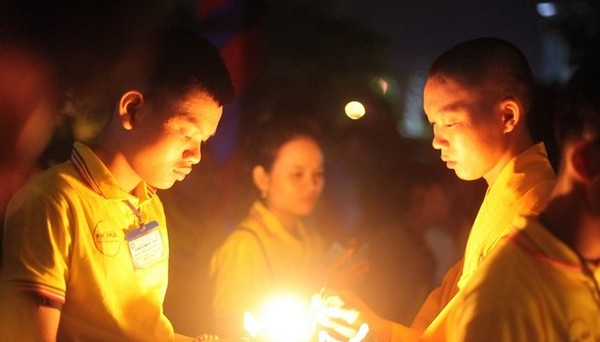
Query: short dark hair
x=579 y=105
x=161 y=62
x=487 y=60
x=186 y=60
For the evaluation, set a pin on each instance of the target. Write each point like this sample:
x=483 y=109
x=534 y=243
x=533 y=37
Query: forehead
x=445 y=95
x=195 y=107
x=192 y=106
x=298 y=150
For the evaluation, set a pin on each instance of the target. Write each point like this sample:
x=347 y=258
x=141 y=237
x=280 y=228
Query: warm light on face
x=354 y=110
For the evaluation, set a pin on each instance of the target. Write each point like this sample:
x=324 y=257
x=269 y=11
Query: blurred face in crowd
x=27 y=105
x=166 y=143
x=468 y=127
x=295 y=181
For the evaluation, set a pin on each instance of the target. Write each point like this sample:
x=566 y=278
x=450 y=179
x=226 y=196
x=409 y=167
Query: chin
x=466 y=177
x=305 y=211
x=163 y=185
x=462 y=174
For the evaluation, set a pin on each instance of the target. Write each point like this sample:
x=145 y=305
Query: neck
x=289 y=222
x=118 y=166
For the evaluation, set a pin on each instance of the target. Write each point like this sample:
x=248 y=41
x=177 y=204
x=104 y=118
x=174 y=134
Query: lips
x=449 y=163
x=182 y=172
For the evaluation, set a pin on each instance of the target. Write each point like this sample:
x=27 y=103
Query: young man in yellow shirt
x=86 y=245
x=477 y=98
x=541 y=282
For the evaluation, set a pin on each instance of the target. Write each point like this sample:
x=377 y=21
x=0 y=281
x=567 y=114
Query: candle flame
x=282 y=318
x=289 y=319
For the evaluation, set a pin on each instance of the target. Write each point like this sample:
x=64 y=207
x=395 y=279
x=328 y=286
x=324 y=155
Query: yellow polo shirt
x=522 y=187
x=65 y=239
x=260 y=258
x=532 y=288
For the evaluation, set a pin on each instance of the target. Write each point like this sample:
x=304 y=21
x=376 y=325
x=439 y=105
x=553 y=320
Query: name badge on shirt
x=145 y=245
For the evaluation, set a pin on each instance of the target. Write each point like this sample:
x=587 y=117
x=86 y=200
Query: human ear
x=260 y=178
x=129 y=106
x=511 y=113
x=580 y=159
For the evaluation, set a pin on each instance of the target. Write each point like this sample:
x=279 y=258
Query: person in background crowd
x=423 y=206
x=272 y=251
x=541 y=282
x=477 y=98
x=86 y=246
x=28 y=105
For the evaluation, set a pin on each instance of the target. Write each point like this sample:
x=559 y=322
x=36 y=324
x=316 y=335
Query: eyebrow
x=186 y=116
x=453 y=107
x=192 y=119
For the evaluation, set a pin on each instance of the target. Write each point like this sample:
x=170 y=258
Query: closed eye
x=184 y=134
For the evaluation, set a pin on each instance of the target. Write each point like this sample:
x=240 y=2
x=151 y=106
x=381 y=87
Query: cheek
x=280 y=188
x=153 y=154
x=166 y=146
x=476 y=144
x=158 y=156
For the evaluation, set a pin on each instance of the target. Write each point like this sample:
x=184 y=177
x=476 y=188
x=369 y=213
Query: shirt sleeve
x=438 y=298
x=37 y=244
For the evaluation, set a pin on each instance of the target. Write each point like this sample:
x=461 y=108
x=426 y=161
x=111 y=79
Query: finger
x=362 y=332
x=342 y=329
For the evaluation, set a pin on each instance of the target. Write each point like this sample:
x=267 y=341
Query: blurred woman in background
x=272 y=251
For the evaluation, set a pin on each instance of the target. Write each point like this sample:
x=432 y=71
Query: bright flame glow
x=289 y=319
x=281 y=319
x=354 y=110
x=251 y=324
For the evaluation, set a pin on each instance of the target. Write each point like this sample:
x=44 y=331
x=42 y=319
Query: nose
x=193 y=153
x=438 y=140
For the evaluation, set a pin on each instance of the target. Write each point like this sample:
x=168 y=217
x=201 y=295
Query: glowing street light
x=354 y=110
